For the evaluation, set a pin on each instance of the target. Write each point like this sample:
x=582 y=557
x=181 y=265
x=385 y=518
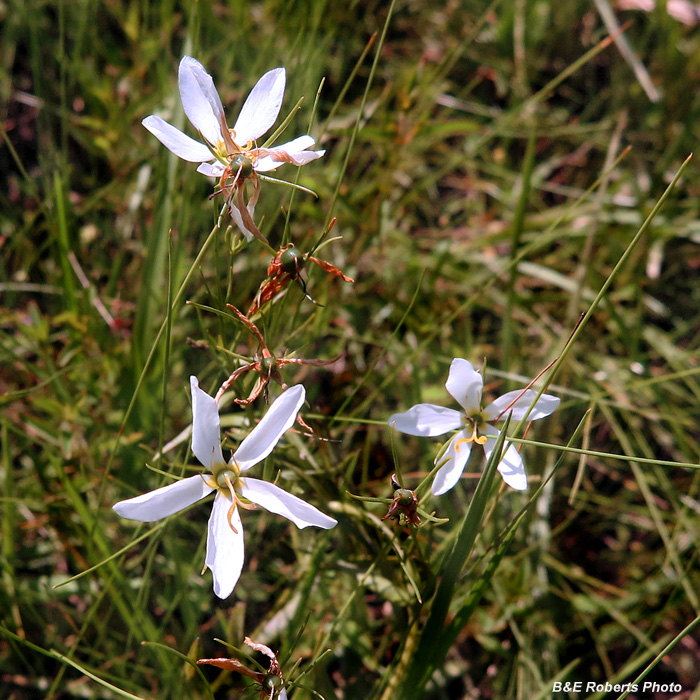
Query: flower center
x=292 y=261
x=403 y=497
x=242 y=166
x=271 y=682
x=268 y=365
x=225 y=479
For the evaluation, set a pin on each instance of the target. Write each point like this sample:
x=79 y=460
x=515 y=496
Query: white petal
x=238 y=220
x=511 y=465
x=280 y=502
x=544 y=406
x=304 y=157
x=164 y=501
x=465 y=384
x=427 y=420
x=268 y=163
x=282 y=695
x=200 y=100
x=300 y=143
x=296 y=150
x=457 y=454
x=265 y=435
x=214 y=169
x=225 y=549
x=261 y=108
x=174 y=140
x=206 y=433
x=206 y=85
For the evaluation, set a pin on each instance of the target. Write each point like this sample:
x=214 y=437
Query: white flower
x=465 y=385
x=225 y=533
x=228 y=152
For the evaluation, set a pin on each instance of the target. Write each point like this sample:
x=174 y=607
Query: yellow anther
x=478 y=439
x=459 y=442
x=474 y=437
x=232 y=509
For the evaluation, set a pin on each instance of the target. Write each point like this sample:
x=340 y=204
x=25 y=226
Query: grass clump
x=497 y=173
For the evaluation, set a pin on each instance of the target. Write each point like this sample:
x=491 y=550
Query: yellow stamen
x=475 y=437
x=232 y=509
x=459 y=442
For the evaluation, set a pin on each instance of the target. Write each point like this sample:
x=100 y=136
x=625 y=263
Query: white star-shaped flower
x=465 y=385
x=225 y=532
x=226 y=152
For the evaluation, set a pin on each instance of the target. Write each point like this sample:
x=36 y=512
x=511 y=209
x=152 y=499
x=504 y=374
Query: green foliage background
x=477 y=169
